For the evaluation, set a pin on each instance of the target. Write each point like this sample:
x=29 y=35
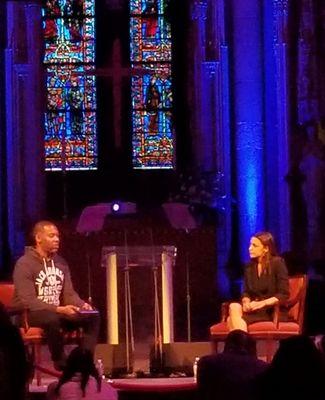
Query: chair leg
x=269 y=350
x=214 y=346
x=38 y=359
x=30 y=352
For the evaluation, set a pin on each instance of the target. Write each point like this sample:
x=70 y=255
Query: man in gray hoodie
x=43 y=284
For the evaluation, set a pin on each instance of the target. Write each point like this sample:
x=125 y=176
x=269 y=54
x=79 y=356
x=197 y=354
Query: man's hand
x=67 y=310
x=256 y=305
x=87 y=306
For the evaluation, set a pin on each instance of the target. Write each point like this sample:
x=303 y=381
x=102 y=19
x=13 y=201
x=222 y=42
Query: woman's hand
x=257 y=305
x=246 y=304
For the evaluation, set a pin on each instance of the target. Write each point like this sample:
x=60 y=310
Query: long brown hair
x=79 y=360
x=267 y=240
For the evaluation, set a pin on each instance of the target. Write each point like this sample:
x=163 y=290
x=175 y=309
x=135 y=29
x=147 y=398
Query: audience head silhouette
x=296 y=371
x=80 y=361
x=296 y=356
x=240 y=342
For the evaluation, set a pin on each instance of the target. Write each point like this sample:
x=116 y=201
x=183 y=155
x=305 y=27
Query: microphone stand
x=64 y=179
x=188 y=294
x=188 y=300
x=90 y=299
x=129 y=334
x=156 y=364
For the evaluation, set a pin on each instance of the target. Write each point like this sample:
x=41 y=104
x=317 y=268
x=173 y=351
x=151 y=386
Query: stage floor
x=154 y=384
x=137 y=388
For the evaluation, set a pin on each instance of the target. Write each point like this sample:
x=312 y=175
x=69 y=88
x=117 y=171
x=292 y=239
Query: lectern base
x=178 y=356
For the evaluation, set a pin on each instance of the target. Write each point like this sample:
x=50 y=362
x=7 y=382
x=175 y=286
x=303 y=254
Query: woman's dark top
x=273 y=282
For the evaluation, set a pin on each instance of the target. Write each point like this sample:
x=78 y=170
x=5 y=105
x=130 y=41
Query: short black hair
x=39 y=227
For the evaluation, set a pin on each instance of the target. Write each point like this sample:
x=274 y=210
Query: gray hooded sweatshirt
x=43 y=284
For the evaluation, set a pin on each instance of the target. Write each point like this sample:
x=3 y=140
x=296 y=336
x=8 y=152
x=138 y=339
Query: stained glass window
x=70 y=120
x=152 y=100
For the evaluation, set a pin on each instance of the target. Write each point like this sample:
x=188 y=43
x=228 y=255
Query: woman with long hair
x=80 y=380
x=265 y=284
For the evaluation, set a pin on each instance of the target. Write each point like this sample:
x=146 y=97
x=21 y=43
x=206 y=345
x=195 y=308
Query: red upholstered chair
x=272 y=331
x=33 y=336
x=6 y=293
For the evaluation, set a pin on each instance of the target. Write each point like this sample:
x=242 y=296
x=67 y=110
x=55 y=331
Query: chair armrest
x=224 y=311
x=291 y=302
x=13 y=311
x=19 y=311
x=23 y=313
x=25 y=319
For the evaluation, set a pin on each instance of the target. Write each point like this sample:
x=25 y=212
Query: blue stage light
x=116 y=207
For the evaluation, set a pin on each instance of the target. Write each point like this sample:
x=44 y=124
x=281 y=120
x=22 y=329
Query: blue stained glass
x=147 y=6
x=69 y=43
x=70 y=88
x=70 y=120
x=153 y=140
x=57 y=8
x=69 y=141
x=151 y=38
x=156 y=83
x=152 y=92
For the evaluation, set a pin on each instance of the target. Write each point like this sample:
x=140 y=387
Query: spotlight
x=115 y=207
x=119 y=207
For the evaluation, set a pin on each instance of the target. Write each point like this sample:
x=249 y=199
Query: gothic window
x=70 y=119
x=151 y=56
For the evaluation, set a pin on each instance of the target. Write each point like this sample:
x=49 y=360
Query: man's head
x=46 y=237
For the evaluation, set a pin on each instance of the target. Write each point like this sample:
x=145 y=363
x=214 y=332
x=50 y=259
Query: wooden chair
x=272 y=331
x=33 y=336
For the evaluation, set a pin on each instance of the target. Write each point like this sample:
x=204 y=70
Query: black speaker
x=181 y=355
x=178 y=356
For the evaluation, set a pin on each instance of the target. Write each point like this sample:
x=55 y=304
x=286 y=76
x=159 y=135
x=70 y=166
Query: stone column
x=280 y=27
x=247 y=62
x=3 y=233
x=218 y=73
x=25 y=94
x=210 y=121
x=198 y=120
